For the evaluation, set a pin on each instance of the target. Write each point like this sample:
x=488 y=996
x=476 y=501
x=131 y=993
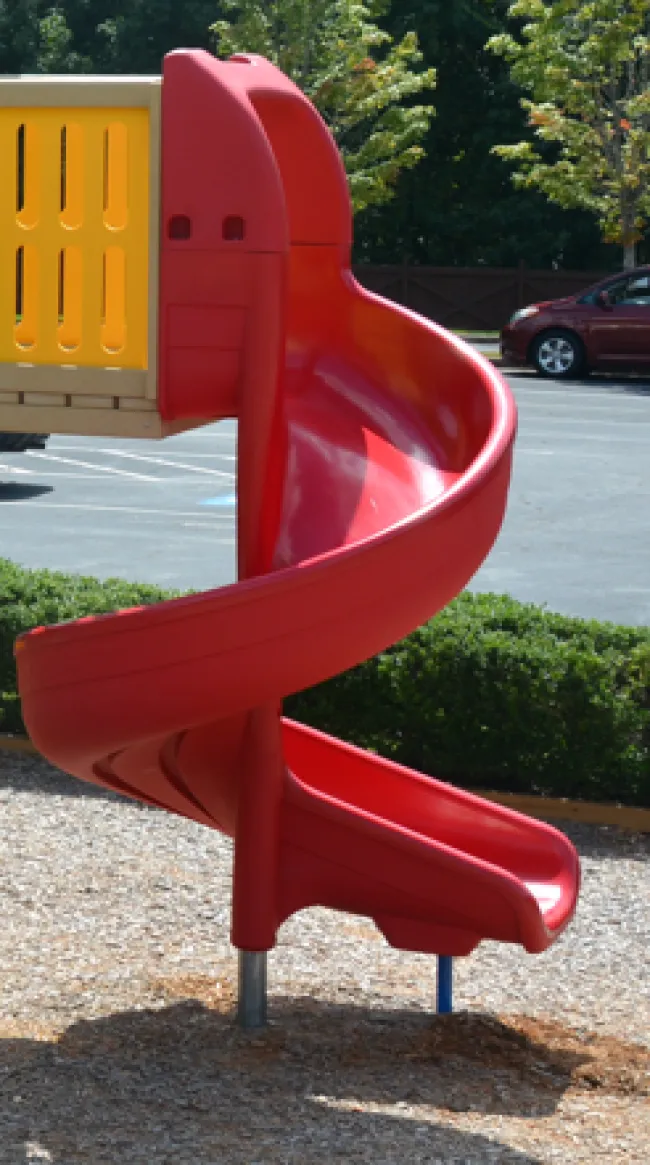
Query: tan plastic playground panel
x=79 y=242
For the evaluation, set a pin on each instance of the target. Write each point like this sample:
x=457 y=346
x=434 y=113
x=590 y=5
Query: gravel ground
x=117 y=1041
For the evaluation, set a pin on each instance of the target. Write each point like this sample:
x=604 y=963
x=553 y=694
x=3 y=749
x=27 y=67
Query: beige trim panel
x=94 y=422
x=50 y=91
x=73 y=379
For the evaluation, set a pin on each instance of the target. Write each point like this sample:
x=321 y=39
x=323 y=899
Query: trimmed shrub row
x=32 y=598
x=491 y=693
x=497 y=694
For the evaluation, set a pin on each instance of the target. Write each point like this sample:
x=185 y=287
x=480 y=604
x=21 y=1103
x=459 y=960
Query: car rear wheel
x=558 y=354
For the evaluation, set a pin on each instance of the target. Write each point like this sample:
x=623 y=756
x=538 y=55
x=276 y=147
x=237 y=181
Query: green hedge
x=491 y=693
x=503 y=695
x=32 y=598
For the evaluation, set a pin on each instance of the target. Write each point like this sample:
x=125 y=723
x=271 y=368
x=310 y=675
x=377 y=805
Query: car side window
x=616 y=291
x=638 y=292
x=631 y=292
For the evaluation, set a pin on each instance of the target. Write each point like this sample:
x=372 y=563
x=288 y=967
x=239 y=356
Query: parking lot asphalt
x=576 y=535
x=577 y=530
x=150 y=512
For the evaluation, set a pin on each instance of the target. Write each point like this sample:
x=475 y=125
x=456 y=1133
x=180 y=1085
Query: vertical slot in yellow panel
x=63 y=175
x=71 y=275
x=113 y=333
x=27 y=280
x=116 y=176
x=72 y=186
x=20 y=167
x=47 y=237
x=28 y=185
x=20 y=284
x=8 y=211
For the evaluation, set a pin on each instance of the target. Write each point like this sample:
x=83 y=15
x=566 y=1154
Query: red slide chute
x=373 y=469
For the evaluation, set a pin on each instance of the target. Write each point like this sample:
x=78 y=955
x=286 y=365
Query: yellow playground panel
x=79 y=223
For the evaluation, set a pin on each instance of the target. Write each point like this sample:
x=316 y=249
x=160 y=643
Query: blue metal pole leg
x=445 y=972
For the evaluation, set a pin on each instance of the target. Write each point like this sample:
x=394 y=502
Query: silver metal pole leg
x=251 y=1012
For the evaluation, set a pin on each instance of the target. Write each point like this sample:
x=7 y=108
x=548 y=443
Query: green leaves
x=586 y=66
x=55 y=52
x=363 y=83
x=32 y=598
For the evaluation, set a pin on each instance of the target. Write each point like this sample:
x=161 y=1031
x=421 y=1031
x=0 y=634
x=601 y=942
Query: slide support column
x=251 y=1011
x=445 y=971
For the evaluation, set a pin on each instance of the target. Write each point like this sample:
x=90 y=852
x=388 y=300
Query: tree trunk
x=629 y=255
x=629 y=233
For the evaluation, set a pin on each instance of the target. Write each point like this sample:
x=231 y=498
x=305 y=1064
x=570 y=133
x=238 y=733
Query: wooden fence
x=471 y=298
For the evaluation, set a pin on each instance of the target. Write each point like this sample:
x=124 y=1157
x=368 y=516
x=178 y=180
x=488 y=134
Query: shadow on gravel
x=324 y=1083
x=25 y=773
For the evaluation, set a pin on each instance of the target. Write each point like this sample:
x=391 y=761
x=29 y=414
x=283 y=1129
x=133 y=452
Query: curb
x=492 y=356
x=17 y=744
x=555 y=808
x=582 y=812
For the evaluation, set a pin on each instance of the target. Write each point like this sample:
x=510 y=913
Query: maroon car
x=605 y=327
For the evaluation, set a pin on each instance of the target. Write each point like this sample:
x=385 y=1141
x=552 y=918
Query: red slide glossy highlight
x=374 y=463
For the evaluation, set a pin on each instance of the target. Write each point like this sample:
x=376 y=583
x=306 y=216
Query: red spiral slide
x=373 y=468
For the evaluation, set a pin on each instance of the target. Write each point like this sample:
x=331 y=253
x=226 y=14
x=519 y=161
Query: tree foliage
x=18 y=34
x=457 y=206
x=586 y=66
x=99 y=36
x=363 y=82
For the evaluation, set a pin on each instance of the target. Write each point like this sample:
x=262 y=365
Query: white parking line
x=207 y=526
x=63 y=475
x=164 y=461
x=569 y=451
x=611 y=438
x=595 y=414
x=571 y=396
x=206 y=456
x=91 y=450
x=89 y=465
x=79 y=446
x=49 y=505
x=590 y=419
x=208 y=434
